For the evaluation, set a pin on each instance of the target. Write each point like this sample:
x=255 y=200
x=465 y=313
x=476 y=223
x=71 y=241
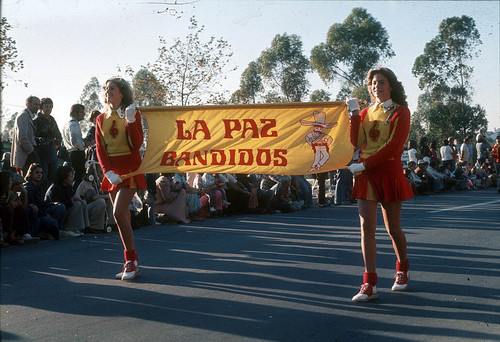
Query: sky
x=65 y=43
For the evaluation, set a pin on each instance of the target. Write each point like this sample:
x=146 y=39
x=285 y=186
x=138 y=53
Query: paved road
x=283 y=277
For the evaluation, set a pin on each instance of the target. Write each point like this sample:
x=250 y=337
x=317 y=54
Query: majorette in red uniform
x=117 y=146
x=380 y=131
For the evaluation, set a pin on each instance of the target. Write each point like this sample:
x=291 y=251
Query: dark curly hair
x=125 y=89
x=62 y=173
x=46 y=100
x=397 y=93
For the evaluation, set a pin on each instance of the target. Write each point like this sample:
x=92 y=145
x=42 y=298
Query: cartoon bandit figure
x=318 y=140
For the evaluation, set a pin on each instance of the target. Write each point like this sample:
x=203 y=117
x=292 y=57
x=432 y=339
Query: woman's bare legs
x=121 y=200
x=392 y=219
x=368 y=218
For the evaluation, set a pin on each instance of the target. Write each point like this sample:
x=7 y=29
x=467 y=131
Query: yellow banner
x=282 y=139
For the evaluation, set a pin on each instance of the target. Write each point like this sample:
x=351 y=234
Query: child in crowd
x=49 y=215
x=193 y=197
x=12 y=211
x=281 y=200
x=30 y=235
x=76 y=217
x=460 y=177
x=97 y=203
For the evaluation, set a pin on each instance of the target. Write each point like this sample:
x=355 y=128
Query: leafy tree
x=438 y=120
x=250 y=83
x=91 y=95
x=285 y=67
x=419 y=124
x=442 y=69
x=444 y=76
x=351 y=49
x=9 y=60
x=8 y=128
x=237 y=97
x=362 y=93
x=320 y=95
x=274 y=97
x=191 y=70
x=148 y=91
x=344 y=93
x=91 y=99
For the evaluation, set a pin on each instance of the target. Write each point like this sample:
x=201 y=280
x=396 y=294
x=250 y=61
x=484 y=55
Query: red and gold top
x=381 y=131
x=117 y=146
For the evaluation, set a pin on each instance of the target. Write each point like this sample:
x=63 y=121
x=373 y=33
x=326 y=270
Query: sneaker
x=130 y=271
x=401 y=282
x=226 y=203
x=28 y=239
x=367 y=292
x=212 y=209
x=70 y=233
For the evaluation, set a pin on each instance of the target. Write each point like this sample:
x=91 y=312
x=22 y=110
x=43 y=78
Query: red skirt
x=123 y=165
x=386 y=181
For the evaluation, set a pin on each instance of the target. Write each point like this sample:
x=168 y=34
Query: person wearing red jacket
x=118 y=138
x=380 y=131
x=495 y=154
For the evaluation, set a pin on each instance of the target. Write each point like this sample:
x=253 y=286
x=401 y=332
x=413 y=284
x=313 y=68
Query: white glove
x=352 y=104
x=113 y=177
x=130 y=113
x=356 y=167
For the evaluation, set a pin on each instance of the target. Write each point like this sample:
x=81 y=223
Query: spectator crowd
x=50 y=181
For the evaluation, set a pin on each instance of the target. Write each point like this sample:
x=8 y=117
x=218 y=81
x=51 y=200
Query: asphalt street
x=281 y=277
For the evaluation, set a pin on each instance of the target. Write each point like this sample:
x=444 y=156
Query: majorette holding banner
x=281 y=139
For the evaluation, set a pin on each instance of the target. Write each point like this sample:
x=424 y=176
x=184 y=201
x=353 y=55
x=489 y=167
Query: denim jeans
x=57 y=211
x=344 y=186
x=497 y=168
x=48 y=161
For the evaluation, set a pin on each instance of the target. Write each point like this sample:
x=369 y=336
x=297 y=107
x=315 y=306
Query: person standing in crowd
x=23 y=152
x=380 y=131
x=495 y=154
x=482 y=149
x=321 y=178
x=343 y=187
x=471 y=150
x=481 y=134
x=454 y=145
x=434 y=152
x=90 y=137
x=413 y=155
x=74 y=143
x=119 y=136
x=423 y=147
x=446 y=152
x=464 y=151
x=48 y=138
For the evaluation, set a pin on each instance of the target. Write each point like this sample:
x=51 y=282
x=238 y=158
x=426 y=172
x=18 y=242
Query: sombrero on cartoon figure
x=319 y=120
